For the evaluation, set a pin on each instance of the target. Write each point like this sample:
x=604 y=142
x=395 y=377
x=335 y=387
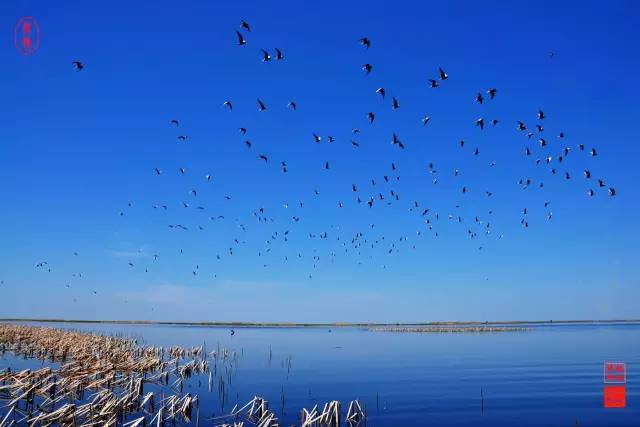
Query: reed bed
x=98 y=380
x=450 y=329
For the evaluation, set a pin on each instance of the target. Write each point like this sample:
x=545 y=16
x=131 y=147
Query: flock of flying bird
x=360 y=240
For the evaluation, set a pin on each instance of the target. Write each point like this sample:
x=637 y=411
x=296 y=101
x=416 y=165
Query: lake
x=551 y=375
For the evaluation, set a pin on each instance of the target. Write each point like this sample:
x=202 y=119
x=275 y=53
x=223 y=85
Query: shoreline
x=333 y=325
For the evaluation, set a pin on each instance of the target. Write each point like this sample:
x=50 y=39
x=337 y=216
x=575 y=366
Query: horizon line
x=317 y=324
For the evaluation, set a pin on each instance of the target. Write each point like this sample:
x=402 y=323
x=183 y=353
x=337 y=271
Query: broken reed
x=99 y=380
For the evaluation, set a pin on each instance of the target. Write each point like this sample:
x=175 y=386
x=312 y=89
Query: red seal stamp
x=26 y=35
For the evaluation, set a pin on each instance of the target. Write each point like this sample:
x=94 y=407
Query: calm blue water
x=550 y=376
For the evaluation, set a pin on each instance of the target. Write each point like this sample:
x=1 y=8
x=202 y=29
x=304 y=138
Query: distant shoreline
x=333 y=325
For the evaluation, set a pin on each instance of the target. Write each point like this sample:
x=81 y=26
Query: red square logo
x=615 y=396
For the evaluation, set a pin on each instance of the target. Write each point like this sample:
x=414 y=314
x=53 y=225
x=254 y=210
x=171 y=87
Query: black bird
x=492 y=93
x=174 y=122
x=241 y=40
x=279 y=55
x=182 y=137
x=292 y=105
x=367 y=68
x=245 y=25
x=355 y=143
x=317 y=138
x=462 y=143
x=521 y=125
x=77 y=65
x=494 y=122
x=433 y=83
x=479 y=98
x=326 y=165
x=425 y=120
x=158 y=171
x=587 y=174
x=365 y=42
x=247 y=143
x=396 y=141
x=593 y=152
x=233 y=332
x=540 y=115
x=480 y=123
x=263 y=157
x=265 y=56
x=381 y=91
x=601 y=183
x=591 y=193
x=228 y=104
x=443 y=75
x=261 y=106
x=243 y=131
x=612 y=191
x=395 y=104
x=371 y=116
x=330 y=139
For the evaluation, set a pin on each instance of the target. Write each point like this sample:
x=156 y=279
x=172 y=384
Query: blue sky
x=77 y=147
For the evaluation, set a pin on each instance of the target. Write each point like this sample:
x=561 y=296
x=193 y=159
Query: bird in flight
x=174 y=122
x=367 y=68
x=261 y=106
x=365 y=42
x=228 y=104
x=245 y=25
x=381 y=91
x=241 y=40
x=279 y=55
x=77 y=65
x=443 y=75
x=265 y=56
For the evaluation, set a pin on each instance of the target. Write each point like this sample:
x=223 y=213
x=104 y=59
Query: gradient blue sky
x=75 y=148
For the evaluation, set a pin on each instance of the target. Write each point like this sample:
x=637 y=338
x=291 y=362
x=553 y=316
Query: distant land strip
x=334 y=325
